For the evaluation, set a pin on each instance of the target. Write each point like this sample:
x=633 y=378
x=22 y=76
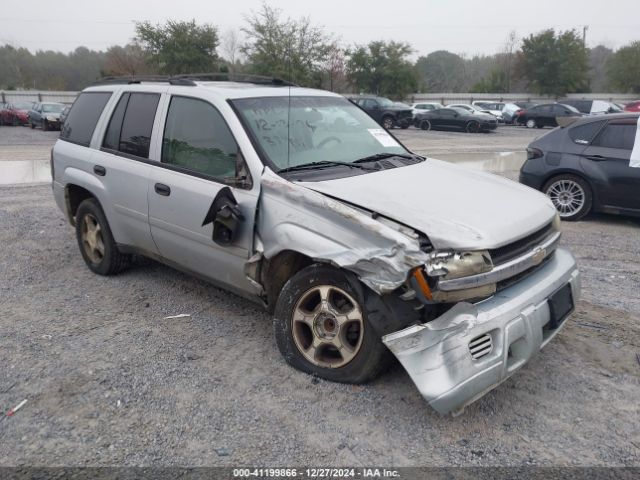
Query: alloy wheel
x=92 y=241
x=327 y=326
x=567 y=196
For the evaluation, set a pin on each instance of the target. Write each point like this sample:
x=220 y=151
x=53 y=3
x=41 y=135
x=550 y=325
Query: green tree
x=624 y=68
x=179 y=47
x=442 y=71
x=128 y=60
x=496 y=82
x=555 y=64
x=382 y=68
x=290 y=49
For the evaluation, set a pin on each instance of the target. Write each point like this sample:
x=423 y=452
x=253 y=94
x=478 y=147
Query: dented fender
x=294 y=217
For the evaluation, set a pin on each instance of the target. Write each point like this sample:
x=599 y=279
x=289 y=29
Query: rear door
x=199 y=158
x=122 y=164
x=608 y=156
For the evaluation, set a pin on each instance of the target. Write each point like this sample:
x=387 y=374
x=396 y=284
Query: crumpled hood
x=455 y=207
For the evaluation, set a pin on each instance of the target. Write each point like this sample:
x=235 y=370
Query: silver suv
x=298 y=200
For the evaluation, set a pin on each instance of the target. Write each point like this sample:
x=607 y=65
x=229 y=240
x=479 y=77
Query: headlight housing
x=448 y=264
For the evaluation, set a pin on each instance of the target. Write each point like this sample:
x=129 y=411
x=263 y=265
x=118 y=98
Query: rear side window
x=83 y=117
x=583 y=134
x=197 y=138
x=131 y=124
x=617 y=135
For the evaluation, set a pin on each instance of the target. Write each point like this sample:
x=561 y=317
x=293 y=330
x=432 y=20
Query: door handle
x=99 y=170
x=596 y=158
x=162 y=189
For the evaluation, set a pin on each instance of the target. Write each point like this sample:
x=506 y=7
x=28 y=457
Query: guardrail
x=10 y=96
x=7 y=96
x=447 y=98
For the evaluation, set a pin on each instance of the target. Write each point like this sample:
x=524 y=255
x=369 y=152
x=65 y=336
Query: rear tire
x=425 y=125
x=571 y=195
x=320 y=305
x=96 y=242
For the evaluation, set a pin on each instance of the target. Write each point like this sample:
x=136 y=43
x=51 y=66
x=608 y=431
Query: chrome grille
x=480 y=346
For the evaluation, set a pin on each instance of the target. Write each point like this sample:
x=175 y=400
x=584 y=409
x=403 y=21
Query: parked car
x=63 y=115
x=46 y=115
x=632 y=106
x=16 y=113
x=591 y=107
x=494 y=108
x=454 y=118
x=510 y=113
x=546 y=115
x=323 y=219
x=587 y=166
x=384 y=111
x=469 y=108
x=424 y=106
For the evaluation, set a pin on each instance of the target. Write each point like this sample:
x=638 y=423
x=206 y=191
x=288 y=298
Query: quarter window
x=131 y=124
x=83 y=117
x=197 y=138
x=583 y=134
x=617 y=135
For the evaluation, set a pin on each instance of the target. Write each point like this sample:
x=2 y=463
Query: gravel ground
x=111 y=382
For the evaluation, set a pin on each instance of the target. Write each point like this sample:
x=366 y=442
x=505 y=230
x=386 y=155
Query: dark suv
x=384 y=111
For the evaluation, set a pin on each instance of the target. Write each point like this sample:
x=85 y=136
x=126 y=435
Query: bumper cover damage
x=437 y=354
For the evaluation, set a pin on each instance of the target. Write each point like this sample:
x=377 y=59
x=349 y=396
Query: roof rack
x=190 y=79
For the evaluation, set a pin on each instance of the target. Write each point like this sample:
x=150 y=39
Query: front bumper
x=437 y=354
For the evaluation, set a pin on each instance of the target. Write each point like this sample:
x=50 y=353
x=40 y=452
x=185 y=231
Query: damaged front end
x=460 y=322
x=461 y=355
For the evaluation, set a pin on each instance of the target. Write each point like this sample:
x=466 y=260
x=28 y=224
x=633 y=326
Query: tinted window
x=112 y=137
x=197 y=138
x=583 y=134
x=135 y=135
x=617 y=136
x=83 y=117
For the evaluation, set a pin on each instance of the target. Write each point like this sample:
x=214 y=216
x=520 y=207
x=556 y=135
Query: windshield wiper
x=380 y=156
x=325 y=163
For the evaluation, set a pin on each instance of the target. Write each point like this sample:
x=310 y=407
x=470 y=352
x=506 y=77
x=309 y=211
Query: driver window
x=197 y=138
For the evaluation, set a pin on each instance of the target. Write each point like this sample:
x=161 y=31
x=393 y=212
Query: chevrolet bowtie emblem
x=538 y=256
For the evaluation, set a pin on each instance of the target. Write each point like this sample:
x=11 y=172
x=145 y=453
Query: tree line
x=549 y=62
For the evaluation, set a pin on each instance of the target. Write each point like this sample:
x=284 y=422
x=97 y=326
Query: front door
x=199 y=158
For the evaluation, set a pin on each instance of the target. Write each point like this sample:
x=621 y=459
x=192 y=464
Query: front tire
x=95 y=240
x=531 y=123
x=472 y=127
x=321 y=327
x=425 y=125
x=571 y=196
x=388 y=123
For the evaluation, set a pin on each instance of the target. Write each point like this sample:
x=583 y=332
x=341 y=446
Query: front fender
x=293 y=217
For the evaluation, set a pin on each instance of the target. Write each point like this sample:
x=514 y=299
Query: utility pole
x=584 y=35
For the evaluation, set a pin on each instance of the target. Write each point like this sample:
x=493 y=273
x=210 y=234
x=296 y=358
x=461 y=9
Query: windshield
x=385 y=102
x=52 y=108
x=319 y=129
x=460 y=110
x=571 y=108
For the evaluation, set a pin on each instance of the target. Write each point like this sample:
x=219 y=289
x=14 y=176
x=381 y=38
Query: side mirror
x=226 y=216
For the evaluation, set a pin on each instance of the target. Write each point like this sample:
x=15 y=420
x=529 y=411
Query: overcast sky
x=461 y=26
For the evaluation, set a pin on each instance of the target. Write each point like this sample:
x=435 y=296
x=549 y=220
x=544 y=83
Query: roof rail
x=190 y=79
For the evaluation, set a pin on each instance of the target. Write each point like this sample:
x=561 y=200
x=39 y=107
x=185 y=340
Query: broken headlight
x=448 y=264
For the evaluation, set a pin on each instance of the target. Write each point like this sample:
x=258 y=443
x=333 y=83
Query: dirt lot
x=109 y=381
